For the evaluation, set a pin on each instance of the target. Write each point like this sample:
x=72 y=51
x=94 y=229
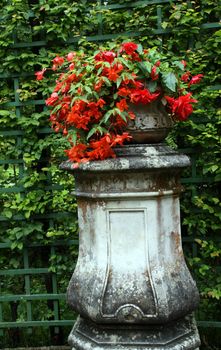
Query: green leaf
x=107 y=81
x=139 y=48
x=152 y=86
x=179 y=65
x=92 y=132
x=8 y=213
x=88 y=89
x=119 y=81
x=170 y=81
x=145 y=67
x=5 y=113
x=107 y=116
x=164 y=25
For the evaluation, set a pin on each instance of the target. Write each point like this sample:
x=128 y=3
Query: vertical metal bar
x=193 y=172
x=1 y=315
x=159 y=22
x=191 y=37
x=18 y=115
x=194 y=193
x=159 y=17
x=194 y=249
x=193 y=162
x=27 y=287
x=100 y=26
x=55 y=291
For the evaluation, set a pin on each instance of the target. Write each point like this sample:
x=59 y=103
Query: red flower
x=196 y=79
x=71 y=66
x=100 y=103
x=57 y=62
x=92 y=110
x=117 y=122
x=98 y=57
x=71 y=55
x=80 y=121
x=184 y=63
x=52 y=100
x=98 y=86
x=123 y=92
x=153 y=74
x=72 y=77
x=138 y=84
x=101 y=149
x=58 y=87
x=129 y=48
x=79 y=106
x=40 y=74
x=181 y=106
x=131 y=115
x=56 y=126
x=77 y=152
x=109 y=56
x=135 y=57
x=120 y=139
x=122 y=105
x=142 y=96
x=112 y=75
x=185 y=77
x=105 y=56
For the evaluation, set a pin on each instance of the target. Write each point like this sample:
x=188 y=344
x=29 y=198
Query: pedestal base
x=178 y=335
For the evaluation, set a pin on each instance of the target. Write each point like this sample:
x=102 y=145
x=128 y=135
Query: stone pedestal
x=131 y=285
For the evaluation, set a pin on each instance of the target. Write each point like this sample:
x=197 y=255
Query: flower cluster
x=91 y=101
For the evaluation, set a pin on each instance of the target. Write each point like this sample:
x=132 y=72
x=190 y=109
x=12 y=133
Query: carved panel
x=128 y=274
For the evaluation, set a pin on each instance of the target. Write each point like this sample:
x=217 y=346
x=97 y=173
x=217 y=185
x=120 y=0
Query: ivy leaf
x=164 y=25
x=7 y=213
x=170 y=81
x=4 y=113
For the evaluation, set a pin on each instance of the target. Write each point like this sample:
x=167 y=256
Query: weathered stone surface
x=130 y=266
x=131 y=275
x=178 y=335
x=152 y=123
x=132 y=157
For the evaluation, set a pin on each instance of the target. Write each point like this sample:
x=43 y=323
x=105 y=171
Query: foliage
x=93 y=93
x=36 y=204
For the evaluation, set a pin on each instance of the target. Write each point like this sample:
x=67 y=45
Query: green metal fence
x=49 y=295
x=27 y=272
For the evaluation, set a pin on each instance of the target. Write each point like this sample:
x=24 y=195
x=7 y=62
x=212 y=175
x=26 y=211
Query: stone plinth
x=131 y=285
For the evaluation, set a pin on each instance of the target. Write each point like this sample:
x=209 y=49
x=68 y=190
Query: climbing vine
x=36 y=204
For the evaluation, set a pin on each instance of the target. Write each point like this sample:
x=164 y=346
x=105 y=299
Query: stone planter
x=152 y=123
x=131 y=285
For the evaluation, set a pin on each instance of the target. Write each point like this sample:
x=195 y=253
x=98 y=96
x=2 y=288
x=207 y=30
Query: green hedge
x=36 y=204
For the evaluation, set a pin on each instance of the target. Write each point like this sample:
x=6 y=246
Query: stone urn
x=152 y=123
x=131 y=286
